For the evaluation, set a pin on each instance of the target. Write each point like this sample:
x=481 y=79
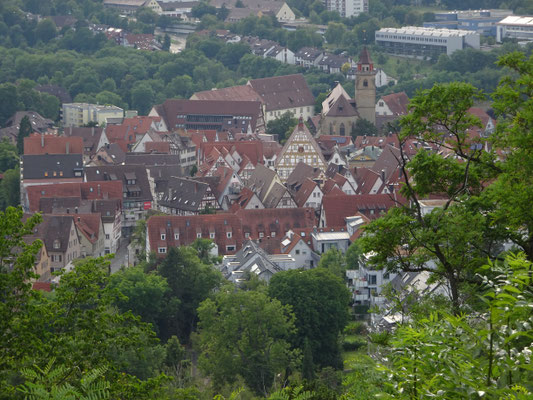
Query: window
x=56 y=244
x=199 y=235
x=365 y=83
x=297 y=252
x=247 y=235
x=372 y=279
x=211 y=235
x=261 y=234
x=230 y=248
x=176 y=236
x=163 y=236
x=273 y=234
x=228 y=235
x=107 y=236
x=161 y=250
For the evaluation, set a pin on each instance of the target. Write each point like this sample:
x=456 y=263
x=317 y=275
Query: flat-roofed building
x=413 y=41
x=79 y=114
x=515 y=27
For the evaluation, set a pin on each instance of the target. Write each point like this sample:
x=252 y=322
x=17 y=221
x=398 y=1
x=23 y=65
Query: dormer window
x=57 y=244
x=228 y=235
x=176 y=236
x=163 y=236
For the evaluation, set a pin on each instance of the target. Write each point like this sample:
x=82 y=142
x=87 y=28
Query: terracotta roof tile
x=51 y=144
x=282 y=92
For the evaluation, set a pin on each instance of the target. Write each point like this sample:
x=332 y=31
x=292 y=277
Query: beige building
x=338 y=113
x=300 y=147
x=79 y=114
x=365 y=87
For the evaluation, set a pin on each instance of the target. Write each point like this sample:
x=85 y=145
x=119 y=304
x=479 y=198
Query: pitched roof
x=260 y=180
x=52 y=166
x=245 y=196
x=123 y=173
x=275 y=195
x=51 y=144
x=308 y=53
x=80 y=190
x=364 y=56
x=277 y=220
x=342 y=108
x=282 y=92
x=379 y=141
x=302 y=195
x=241 y=93
x=184 y=194
x=88 y=225
x=397 y=102
x=253 y=149
x=122 y=135
x=300 y=173
x=90 y=136
x=149 y=159
x=172 y=108
x=183 y=231
x=157 y=147
x=337 y=207
x=54 y=228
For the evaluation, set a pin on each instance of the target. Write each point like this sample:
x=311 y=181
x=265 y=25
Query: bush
x=356 y=328
x=381 y=338
x=352 y=344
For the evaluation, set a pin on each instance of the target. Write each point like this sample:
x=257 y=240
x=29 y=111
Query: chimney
x=67 y=147
x=92 y=130
x=70 y=130
x=42 y=139
x=68 y=210
x=76 y=210
x=383 y=175
x=98 y=190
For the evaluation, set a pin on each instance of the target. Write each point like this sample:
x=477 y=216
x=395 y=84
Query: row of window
x=229 y=235
x=414 y=38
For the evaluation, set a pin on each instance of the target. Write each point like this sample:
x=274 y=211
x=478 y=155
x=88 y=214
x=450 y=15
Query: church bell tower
x=365 y=87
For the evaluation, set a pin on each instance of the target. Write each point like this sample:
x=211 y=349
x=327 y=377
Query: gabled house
x=295 y=246
x=390 y=108
x=251 y=259
x=94 y=138
x=110 y=154
x=163 y=232
x=262 y=180
x=60 y=236
x=309 y=195
x=299 y=147
x=38 y=123
x=281 y=94
x=308 y=57
x=90 y=234
x=279 y=197
x=185 y=196
x=246 y=200
x=137 y=196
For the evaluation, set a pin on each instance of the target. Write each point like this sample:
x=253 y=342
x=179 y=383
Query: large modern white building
x=412 y=41
x=79 y=114
x=515 y=27
x=347 y=8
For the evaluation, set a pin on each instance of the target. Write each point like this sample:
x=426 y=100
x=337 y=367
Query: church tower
x=365 y=87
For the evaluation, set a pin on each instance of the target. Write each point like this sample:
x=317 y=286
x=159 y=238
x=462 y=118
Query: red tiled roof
x=140 y=124
x=123 y=135
x=278 y=220
x=243 y=93
x=183 y=231
x=44 y=286
x=157 y=147
x=82 y=190
x=253 y=149
x=282 y=92
x=302 y=195
x=379 y=141
x=88 y=225
x=364 y=57
x=337 y=207
x=397 y=103
x=50 y=144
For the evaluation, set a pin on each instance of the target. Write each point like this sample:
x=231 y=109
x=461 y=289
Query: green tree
x=364 y=127
x=166 y=43
x=25 y=130
x=8 y=155
x=451 y=241
x=8 y=101
x=46 y=30
x=145 y=294
x=320 y=302
x=10 y=188
x=335 y=32
x=142 y=98
x=490 y=358
x=245 y=334
x=333 y=261
x=282 y=126
x=190 y=282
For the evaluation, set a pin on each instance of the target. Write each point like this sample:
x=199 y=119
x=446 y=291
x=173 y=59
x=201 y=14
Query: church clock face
x=300 y=149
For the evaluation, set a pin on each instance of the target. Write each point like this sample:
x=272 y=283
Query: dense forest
x=174 y=329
